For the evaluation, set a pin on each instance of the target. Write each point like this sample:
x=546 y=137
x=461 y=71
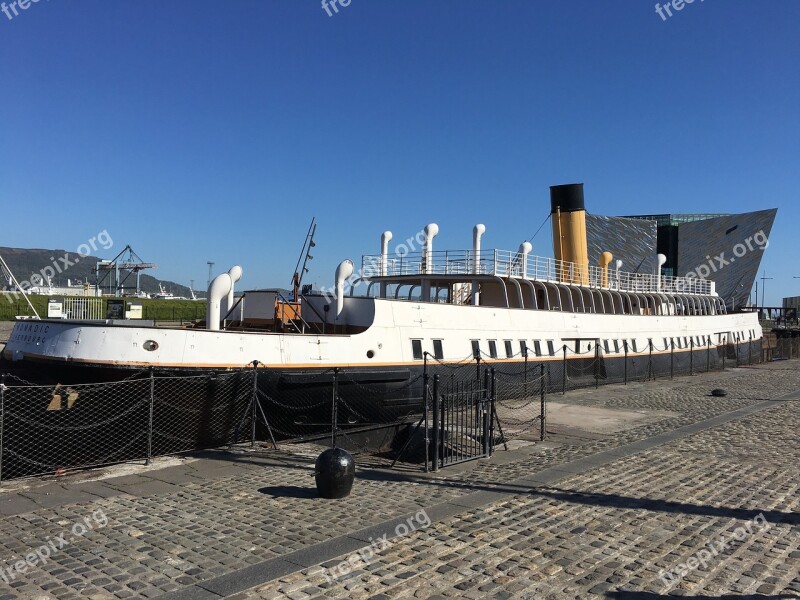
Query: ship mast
x=305 y=256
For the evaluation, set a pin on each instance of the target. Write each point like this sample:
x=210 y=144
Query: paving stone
x=628 y=519
x=636 y=510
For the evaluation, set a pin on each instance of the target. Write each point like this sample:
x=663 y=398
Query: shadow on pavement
x=564 y=495
x=653 y=596
x=289 y=491
x=659 y=505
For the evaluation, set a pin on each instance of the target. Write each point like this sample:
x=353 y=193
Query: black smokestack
x=567 y=198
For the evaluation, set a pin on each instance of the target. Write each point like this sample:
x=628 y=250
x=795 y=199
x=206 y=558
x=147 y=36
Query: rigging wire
x=530 y=239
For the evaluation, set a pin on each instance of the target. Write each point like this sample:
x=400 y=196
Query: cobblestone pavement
x=623 y=531
x=608 y=530
x=689 y=397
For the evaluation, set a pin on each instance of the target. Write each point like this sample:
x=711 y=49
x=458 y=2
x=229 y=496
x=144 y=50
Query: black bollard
x=719 y=393
x=334 y=472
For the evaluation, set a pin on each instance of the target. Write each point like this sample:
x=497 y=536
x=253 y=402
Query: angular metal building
x=731 y=247
x=633 y=241
x=726 y=249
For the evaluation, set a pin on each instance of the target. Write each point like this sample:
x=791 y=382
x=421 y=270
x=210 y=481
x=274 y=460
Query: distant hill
x=26 y=263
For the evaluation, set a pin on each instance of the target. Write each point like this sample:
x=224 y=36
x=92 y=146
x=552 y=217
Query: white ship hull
x=452 y=307
x=386 y=341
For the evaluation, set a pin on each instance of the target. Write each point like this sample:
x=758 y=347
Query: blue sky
x=198 y=130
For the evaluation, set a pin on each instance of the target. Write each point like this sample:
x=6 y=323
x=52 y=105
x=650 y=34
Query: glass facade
x=675 y=220
x=667 y=235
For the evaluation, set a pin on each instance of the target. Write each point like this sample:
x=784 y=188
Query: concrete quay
x=683 y=494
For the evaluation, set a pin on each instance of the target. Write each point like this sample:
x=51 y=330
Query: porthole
x=370 y=354
x=150 y=345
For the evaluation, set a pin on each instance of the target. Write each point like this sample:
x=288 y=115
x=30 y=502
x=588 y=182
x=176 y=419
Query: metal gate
x=84 y=308
x=463 y=421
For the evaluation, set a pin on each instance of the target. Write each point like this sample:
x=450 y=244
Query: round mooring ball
x=719 y=393
x=334 y=472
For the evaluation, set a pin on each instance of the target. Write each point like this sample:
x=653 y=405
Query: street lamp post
x=764 y=280
x=210 y=266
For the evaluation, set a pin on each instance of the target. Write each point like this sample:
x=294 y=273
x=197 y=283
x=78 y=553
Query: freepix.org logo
x=706 y=555
x=362 y=557
x=15 y=568
x=759 y=241
x=61 y=264
x=665 y=11
x=11 y=9
x=332 y=6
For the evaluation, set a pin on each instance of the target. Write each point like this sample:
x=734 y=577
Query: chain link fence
x=521 y=404
x=47 y=430
x=50 y=429
x=597 y=365
x=520 y=388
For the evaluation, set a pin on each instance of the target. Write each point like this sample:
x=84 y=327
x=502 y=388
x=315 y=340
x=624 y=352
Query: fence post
x=425 y=380
x=2 y=420
x=253 y=406
x=691 y=356
x=150 y=417
x=708 y=355
x=564 y=373
x=625 y=346
x=543 y=395
x=425 y=407
x=724 y=352
x=335 y=406
x=435 y=422
x=525 y=376
x=650 y=371
x=488 y=414
x=672 y=358
x=750 y=350
x=478 y=365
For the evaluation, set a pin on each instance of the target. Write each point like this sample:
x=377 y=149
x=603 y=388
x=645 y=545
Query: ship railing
x=509 y=263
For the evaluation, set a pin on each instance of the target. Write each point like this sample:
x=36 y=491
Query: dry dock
x=641 y=491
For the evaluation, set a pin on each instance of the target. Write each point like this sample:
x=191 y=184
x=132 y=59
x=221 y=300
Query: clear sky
x=200 y=130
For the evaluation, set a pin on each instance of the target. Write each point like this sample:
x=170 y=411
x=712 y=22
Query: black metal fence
x=462 y=422
x=591 y=365
x=302 y=406
x=469 y=418
x=51 y=429
x=521 y=403
x=46 y=429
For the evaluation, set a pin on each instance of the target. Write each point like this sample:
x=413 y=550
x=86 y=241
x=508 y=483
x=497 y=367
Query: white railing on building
x=508 y=263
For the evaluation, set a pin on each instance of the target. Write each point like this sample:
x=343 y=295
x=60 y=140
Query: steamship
x=508 y=307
